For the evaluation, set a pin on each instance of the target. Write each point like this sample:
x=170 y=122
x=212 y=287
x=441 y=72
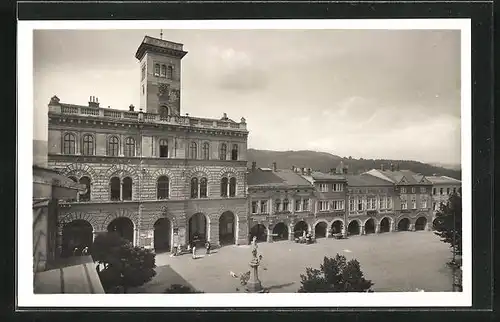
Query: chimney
x=275 y=167
x=309 y=170
x=254 y=166
x=392 y=167
x=131 y=108
x=93 y=101
x=303 y=170
x=382 y=167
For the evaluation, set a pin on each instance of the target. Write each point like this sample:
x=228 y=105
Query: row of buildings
x=160 y=178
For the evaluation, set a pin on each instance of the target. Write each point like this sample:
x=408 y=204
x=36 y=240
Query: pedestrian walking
x=207 y=246
x=194 y=251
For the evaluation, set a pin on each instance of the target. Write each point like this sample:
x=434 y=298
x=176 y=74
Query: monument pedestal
x=253 y=284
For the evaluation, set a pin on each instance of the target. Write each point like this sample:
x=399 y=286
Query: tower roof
x=160 y=46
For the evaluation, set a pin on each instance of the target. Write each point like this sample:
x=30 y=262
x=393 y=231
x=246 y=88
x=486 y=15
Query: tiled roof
x=327 y=176
x=280 y=178
x=361 y=180
x=443 y=180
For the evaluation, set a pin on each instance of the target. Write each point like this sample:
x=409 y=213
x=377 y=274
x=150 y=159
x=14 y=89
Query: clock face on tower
x=163 y=89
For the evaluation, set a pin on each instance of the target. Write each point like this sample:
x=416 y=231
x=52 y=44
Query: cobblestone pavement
x=401 y=261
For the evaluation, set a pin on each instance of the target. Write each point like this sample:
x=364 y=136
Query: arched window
x=127 y=188
x=114 y=187
x=163 y=70
x=86 y=195
x=88 y=145
x=223 y=151
x=129 y=147
x=157 y=69
x=164 y=112
x=170 y=72
x=69 y=144
x=234 y=152
x=194 y=188
x=203 y=188
x=163 y=148
x=162 y=187
x=113 y=146
x=206 y=151
x=193 y=150
x=232 y=187
x=285 y=205
x=223 y=187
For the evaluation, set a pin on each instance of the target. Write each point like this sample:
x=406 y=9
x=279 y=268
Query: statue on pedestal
x=254 y=285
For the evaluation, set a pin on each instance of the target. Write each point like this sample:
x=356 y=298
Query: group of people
x=191 y=248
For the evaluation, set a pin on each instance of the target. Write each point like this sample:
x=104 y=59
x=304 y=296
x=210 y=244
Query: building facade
x=413 y=202
x=281 y=204
x=157 y=178
x=442 y=188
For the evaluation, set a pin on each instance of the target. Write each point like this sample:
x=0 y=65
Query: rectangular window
x=423 y=203
x=338 y=204
x=157 y=69
x=263 y=206
x=305 y=204
x=360 y=204
x=381 y=202
x=441 y=191
x=143 y=72
x=412 y=189
x=389 y=203
x=422 y=190
x=163 y=71
x=454 y=190
x=404 y=204
x=403 y=190
x=434 y=206
x=433 y=191
x=255 y=207
x=337 y=187
x=297 y=204
x=352 y=206
x=323 y=205
x=323 y=187
x=413 y=202
x=447 y=191
x=373 y=203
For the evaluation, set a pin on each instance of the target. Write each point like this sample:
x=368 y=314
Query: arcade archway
x=385 y=225
x=369 y=226
x=227 y=229
x=162 y=235
x=76 y=235
x=320 y=229
x=260 y=231
x=197 y=229
x=299 y=228
x=122 y=226
x=337 y=227
x=353 y=228
x=420 y=223
x=280 y=232
x=404 y=224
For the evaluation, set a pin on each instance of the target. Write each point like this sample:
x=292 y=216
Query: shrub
x=180 y=289
x=125 y=265
x=335 y=275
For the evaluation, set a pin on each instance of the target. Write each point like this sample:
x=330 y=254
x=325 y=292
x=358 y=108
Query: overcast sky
x=360 y=93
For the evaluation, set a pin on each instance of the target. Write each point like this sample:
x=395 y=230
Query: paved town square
x=420 y=258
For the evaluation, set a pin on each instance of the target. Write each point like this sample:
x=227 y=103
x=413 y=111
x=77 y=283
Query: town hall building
x=155 y=176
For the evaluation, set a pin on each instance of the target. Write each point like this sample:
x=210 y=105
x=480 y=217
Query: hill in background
x=323 y=161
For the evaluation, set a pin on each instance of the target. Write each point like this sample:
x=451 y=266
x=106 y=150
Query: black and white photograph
x=255 y=163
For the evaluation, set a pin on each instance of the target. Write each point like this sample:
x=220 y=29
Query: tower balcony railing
x=115 y=114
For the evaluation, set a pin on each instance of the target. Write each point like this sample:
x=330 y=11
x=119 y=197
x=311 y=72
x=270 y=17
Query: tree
x=124 y=265
x=448 y=223
x=335 y=275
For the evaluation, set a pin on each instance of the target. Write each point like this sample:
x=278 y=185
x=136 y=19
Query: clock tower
x=160 y=85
